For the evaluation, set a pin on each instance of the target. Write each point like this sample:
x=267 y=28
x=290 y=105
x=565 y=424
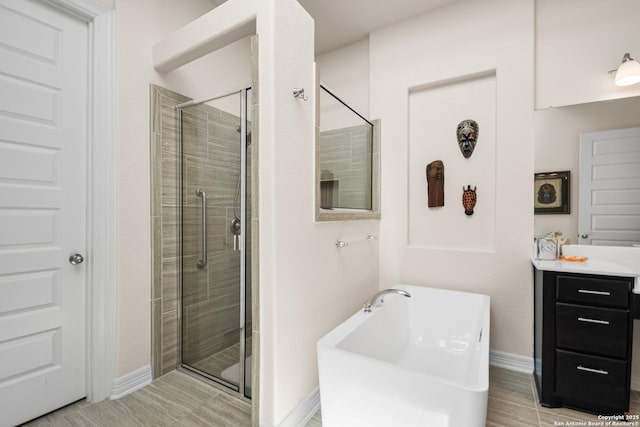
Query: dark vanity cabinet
x=583 y=328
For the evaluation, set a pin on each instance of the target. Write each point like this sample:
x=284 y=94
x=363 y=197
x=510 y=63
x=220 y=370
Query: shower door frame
x=238 y=391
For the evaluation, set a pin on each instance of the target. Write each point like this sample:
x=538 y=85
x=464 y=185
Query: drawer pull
x=595 y=371
x=600 y=322
x=587 y=291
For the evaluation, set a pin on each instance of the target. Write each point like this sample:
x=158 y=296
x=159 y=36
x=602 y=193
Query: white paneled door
x=609 y=195
x=43 y=217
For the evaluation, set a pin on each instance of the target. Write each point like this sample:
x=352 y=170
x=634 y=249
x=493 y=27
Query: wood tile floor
x=513 y=402
x=177 y=399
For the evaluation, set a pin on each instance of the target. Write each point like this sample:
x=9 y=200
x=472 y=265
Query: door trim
x=101 y=289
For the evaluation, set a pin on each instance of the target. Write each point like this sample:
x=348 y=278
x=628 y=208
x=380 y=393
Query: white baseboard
x=303 y=411
x=131 y=382
x=513 y=362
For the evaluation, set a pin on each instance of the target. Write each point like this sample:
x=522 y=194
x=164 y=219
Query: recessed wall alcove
x=434 y=113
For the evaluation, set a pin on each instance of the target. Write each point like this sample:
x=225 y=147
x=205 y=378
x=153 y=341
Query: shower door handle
x=203 y=262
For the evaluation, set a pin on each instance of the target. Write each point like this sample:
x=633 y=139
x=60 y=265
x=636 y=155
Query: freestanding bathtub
x=419 y=361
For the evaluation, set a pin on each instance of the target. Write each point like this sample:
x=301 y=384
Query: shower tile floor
x=216 y=364
x=178 y=399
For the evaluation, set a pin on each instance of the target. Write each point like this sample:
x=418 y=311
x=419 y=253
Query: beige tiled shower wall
x=164 y=217
x=211 y=161
x=345 y=165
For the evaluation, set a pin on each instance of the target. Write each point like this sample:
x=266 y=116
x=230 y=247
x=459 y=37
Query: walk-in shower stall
x=214 y=232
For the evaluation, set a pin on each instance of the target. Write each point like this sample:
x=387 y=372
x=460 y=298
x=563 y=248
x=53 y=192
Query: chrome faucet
x=378 y=299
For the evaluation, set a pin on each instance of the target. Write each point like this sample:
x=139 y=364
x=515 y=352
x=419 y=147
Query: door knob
x=76 y=259
x=584 y=236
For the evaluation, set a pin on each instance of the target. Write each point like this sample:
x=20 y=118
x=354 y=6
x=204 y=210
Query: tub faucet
x=378 y=299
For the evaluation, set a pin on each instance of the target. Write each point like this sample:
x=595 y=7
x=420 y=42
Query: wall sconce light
x=628 y=73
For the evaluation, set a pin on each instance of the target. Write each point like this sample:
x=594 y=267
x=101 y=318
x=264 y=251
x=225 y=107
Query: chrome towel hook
x=299 y=93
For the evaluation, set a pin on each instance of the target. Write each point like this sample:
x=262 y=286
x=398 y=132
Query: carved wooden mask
x=435 y=184
x=468 y=199
x=467 y=133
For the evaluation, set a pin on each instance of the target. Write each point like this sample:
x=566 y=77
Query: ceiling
x=340 y=22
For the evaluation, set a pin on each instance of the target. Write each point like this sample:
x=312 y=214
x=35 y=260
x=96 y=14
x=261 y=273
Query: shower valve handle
x=236 y=242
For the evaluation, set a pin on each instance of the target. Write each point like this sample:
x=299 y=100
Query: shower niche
x=201 y=214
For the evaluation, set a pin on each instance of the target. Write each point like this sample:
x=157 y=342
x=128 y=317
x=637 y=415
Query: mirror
x=557 y=148
x=347 y=161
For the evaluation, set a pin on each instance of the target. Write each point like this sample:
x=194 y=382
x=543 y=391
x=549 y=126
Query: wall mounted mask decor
x=546 y=194
x=435 y=184
x=467 y=133
x=468 y=199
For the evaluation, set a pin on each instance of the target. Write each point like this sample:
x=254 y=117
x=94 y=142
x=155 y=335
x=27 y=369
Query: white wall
x=107 y=3
x=557 y=148
x=345 y=71
x=140 y=24
x=591 y=35
x=307 y=285
x=429 y=50
x=577 y=43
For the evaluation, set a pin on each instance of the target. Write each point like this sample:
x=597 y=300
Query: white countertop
x=590 y=266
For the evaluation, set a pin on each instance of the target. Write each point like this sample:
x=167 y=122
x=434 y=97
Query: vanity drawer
x=594 y=290
x=596 y=383
x=594 y=330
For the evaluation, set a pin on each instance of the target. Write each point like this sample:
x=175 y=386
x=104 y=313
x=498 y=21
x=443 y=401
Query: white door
x=610 y=187
x=43 y=156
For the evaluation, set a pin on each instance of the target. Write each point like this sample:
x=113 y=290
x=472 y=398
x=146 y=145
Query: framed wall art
x=551 y=193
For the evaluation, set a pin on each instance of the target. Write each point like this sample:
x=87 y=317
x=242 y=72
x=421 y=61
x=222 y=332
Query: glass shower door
x=213 y=259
